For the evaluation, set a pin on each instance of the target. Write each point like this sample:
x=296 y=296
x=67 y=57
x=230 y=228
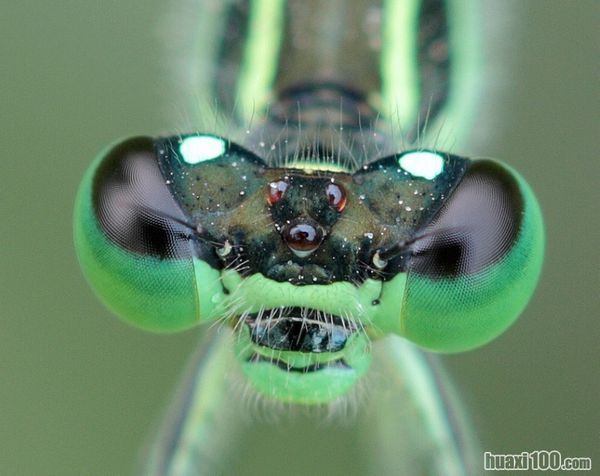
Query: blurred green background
x=80 y=390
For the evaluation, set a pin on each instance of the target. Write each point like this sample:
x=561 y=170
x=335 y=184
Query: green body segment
x=260 y=52
x=198 y=429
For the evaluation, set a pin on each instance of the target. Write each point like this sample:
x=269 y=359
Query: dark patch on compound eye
x=133 y=204
x=444 y=257
x=476 y=228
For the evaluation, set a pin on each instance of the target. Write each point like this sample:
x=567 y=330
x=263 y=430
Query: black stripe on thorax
x=433 y=60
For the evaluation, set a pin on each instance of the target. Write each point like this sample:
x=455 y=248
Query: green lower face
x=302 y=344
x=306 y=378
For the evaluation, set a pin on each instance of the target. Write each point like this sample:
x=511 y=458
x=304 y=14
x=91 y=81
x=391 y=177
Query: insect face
x=308 y=265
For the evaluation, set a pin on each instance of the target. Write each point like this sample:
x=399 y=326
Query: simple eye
x=275 y=191
x=336 y=195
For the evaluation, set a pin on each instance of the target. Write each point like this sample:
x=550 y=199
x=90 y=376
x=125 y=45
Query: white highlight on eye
x=422 y=164
x=198 y=149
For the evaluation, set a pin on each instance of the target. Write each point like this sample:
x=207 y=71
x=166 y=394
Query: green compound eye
x=473 y=268
x=141 y=252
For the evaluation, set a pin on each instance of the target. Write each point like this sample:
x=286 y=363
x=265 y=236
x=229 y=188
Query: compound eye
x=336 y=195
x=478 y=262
x=275 y=191
x=136 y=244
